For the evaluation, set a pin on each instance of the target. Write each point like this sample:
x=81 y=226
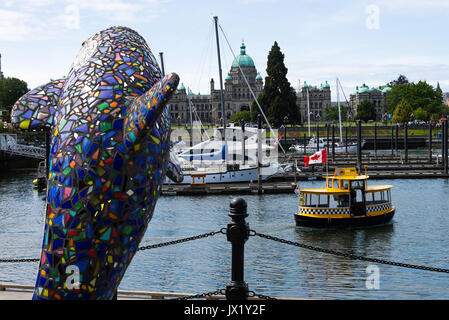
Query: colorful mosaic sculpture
x=108 y=159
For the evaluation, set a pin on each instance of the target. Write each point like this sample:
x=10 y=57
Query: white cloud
x=43 y=19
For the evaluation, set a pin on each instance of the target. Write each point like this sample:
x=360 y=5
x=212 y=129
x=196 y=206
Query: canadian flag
x=319 y=157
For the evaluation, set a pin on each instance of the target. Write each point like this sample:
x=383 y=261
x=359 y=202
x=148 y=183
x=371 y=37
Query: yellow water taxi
x=346 y=200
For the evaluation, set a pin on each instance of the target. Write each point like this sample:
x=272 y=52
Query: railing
x=237 y=233
x=8 y=144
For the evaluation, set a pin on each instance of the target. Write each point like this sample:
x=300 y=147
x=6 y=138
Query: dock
x=268 y=187
x=380 y=166
x=10 y=291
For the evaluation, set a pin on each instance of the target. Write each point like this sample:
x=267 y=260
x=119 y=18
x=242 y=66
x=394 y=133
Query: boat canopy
x=342 y=180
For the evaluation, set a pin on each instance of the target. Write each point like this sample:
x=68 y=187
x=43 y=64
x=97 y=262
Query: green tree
x=332 y=113
x=421 y=114
x=278 y=98
x=11 y=89
x=241 y=115
x=403 y=112
x=418 y=95
x=366 y=111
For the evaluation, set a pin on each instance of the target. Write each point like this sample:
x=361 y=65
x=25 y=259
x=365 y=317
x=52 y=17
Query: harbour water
x=418 y=235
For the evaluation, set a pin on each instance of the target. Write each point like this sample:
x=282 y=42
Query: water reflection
x=417 y=235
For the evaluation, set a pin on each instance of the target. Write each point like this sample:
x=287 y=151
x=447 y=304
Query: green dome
x=305 y=85
x=228 y=77
x=243 y=60
x=326 y=85
x=386 y=89
x=364 y=88
x=182 y=87
x=259 y=77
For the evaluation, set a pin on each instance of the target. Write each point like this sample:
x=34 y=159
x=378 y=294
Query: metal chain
x=203 y=295
x=164 y=244
x=261 y=296
x=200 y=236
x=347 y=255
x=20 y=260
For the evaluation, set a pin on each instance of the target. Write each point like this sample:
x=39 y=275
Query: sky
x=358 y=41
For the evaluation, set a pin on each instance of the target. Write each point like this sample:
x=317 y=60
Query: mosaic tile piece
x=108 y=159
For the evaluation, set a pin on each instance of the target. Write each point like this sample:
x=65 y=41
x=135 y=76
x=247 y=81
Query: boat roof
x=347 y=174
x=332 y=191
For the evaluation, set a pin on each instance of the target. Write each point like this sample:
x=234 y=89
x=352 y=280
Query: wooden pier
x=380 y=166
x=228 y=188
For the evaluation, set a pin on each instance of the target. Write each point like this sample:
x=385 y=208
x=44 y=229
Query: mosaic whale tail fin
x=144 y=111
x=36 y=109
x=143 y=114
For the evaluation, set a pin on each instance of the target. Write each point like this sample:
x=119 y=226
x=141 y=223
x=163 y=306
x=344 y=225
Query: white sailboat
x=219 y=160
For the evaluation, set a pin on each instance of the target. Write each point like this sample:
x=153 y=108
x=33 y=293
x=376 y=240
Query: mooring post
x=375 y=139
x=243 y=142
x=346 y=139
x=237 y=233
x=327 y=136
x=445 y=146
x=359 y=145
x=259 y=154
x=392 y=143
x=430 y=142
x=47 y=153
x=405 y=142
x=305 y=143
x=333 y=144
x=396 y=145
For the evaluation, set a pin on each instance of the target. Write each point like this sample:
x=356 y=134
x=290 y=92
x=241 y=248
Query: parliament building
x=237 y=96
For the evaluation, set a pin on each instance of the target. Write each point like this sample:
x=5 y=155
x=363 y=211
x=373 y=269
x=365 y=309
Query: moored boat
x=346 y=200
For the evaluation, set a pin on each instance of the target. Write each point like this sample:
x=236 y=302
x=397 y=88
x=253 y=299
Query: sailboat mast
x=223 y=115
x=339 y=111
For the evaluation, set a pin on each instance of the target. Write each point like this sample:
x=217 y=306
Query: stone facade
x=319 y=99
x=377 y=96
x=237 y=96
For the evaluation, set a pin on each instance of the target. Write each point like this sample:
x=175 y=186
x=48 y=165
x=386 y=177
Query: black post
x=346 y=139
x=161 y=54
x=243 y=142
x=333 y=144
x=392 y=141
x=359 y=145
x=445 y=146
x=259 y=153
x=430 y=142
x=396 y=146
x=237 y=233
x=327 y=137
x=405 y=142
x=47 y=154
x=317 y=138
x=375 y=139
x=305 y=143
